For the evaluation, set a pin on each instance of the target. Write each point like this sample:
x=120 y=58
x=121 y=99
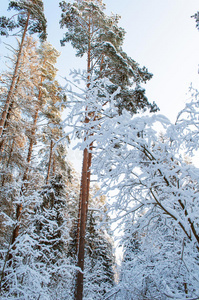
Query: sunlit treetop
x=90 y=31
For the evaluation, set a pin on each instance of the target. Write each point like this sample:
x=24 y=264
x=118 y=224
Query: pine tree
x=29 y=19
x=37 y=97
x=41 y=268
x=47 y=58
x=98 y=36
x=53 y=227
x=92 y=32
x=14 y=143
x=99 y=259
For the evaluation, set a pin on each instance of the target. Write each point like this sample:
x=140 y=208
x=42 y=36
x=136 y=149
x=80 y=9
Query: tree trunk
x=8 y=116
x=79 y=287
x=8 y=162
x=80 y=198
x=84 y=195
x=50 y=161
x=54 y=165
x=79 y=219
x=14 y=78
x=89 y=175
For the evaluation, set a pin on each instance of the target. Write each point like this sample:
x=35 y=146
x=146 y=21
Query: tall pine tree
x=93 y=33
x=30 y=18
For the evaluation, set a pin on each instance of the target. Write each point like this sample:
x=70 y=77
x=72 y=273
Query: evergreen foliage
x=91 y=31
x=37 y=23
x=99 y=261
x=36 y=97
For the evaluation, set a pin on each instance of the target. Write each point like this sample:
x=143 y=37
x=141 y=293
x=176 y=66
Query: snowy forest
x=138 y=191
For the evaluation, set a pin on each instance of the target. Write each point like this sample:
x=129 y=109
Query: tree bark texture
x=79 y=219
x=80 y=198
x=84 y=194
x=84 y=190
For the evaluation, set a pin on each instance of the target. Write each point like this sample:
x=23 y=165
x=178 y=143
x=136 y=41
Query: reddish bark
x=81 y=230
x=80 y=198
x=79 y=219
x=79 y=289
x=89 y=175
x=84 y=195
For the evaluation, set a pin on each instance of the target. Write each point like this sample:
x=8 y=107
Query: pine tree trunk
x=50 y=161
x=54 y=167
x=14 y=78
x=2 y=142
x=80 y=198
x=8 y=162
x=79 y=219
x=84 y=196
x=16 y=229
x=89 y=176
x=79 y=287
